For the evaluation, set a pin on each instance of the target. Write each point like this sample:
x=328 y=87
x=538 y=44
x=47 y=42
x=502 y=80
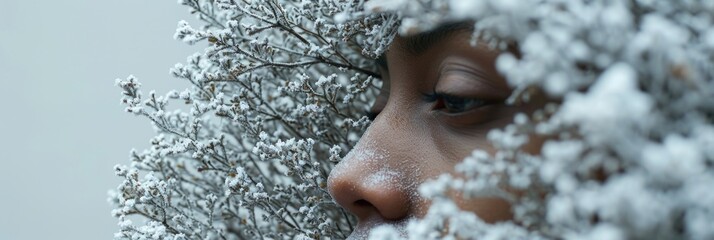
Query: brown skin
x=420 y=133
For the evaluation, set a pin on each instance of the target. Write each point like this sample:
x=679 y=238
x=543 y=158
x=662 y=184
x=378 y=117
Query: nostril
x=368 y=187
x=367 y=201
x=363 y=209
x=363 y=203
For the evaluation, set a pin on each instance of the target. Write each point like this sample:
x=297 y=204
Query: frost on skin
x=278 y=97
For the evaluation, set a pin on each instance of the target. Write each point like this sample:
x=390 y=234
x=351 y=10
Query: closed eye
x=454 y=104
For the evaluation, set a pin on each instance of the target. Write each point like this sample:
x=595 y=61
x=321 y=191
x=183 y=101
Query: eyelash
x=443 y=102
x=454 y=104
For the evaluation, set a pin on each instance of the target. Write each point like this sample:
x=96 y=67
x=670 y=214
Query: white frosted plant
x=279 y=94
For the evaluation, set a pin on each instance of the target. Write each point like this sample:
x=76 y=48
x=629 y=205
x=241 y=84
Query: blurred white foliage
x=628 y=141
x=278 y=93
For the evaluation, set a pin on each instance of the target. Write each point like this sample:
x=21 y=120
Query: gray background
x=62 y=127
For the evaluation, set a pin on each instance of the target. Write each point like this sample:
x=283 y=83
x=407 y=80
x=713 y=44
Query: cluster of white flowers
x=278 y=97
x=629 y=140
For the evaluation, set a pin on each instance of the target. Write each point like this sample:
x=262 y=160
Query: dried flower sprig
x=278 y=96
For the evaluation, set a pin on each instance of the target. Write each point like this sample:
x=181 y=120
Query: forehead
x=453 y=39
x=419 y=58
x=418 y=44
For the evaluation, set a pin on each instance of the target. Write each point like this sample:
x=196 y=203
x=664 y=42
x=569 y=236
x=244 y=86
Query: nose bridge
x=378 y=178
x=387 y=147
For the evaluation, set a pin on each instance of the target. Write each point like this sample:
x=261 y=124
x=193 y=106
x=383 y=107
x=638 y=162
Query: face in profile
x=440 y=98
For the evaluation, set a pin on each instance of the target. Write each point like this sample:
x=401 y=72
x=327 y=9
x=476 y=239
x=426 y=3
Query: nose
x=375 y=196
x=373 y=183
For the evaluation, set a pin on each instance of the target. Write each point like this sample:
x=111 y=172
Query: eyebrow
x=419 y=43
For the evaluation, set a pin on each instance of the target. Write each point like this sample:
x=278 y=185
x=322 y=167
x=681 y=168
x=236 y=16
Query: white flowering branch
x=278 y=96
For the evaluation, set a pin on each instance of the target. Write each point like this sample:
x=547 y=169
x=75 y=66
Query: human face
x=440 y=98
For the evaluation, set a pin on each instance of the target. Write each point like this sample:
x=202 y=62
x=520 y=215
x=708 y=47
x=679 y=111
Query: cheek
x=455 y=143
x=534 y=144
x=489 y=209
